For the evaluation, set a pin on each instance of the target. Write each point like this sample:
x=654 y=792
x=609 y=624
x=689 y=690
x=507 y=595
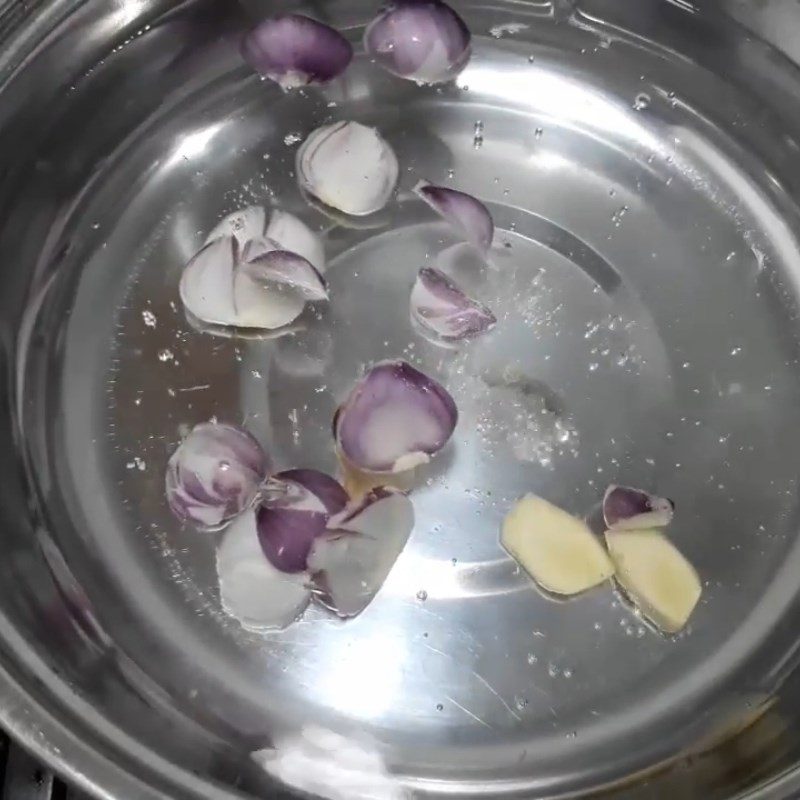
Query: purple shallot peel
x=465 y=213
x=286 y=270
x=419 y=40
x=294 y=50
x=440 y=308
x=394 y=419
x=294 y=509
x=626 y=508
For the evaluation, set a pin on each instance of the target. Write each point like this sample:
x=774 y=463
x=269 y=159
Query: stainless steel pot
x=642 y=162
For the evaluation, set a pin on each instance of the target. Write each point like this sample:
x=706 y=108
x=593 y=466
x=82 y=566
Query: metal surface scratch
x=495 y=693
x=434 y=650
x=196 y=388
x=468 y=712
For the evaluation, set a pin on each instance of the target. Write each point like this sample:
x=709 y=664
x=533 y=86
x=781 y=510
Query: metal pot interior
x=641 y=161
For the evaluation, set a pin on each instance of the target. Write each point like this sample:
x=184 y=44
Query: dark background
x=23 y=778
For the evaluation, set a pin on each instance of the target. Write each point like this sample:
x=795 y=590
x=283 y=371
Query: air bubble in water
x=641 y=101
x=149 y=319
x=422 y=595
x=477 y=139
x=617 y=216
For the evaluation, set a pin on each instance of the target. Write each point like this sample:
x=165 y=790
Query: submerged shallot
x=294 y=50
x=348 y=166
x=420 y=40
x=251 y=287
x=295 y=508
x=214 y=474
x=465 y=213
x=394 y=419
x=439 y=307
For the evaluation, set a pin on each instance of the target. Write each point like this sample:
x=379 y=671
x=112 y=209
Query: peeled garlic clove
x=468 y=215
x=214 y=474
x=556 y=549
x=251 y=590
x=439 y=307
x=425 y=42
x=625 y=508
x=295 y=508
x=291 y=233
x=244 y=224
x=348 y=166
x=351 y=562
x=285 y=270
x=294 y=50
x=656 y=577
x=394 y=419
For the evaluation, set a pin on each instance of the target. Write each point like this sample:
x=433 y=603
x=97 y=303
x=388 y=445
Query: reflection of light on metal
x=413 y=572
x=560 y=97
x=322 y=762
x=444 y=580
x=194 y=144
x=129 y=11
x=685 y=5
x=364 y=675
x=741 y=190
x=550 y=161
